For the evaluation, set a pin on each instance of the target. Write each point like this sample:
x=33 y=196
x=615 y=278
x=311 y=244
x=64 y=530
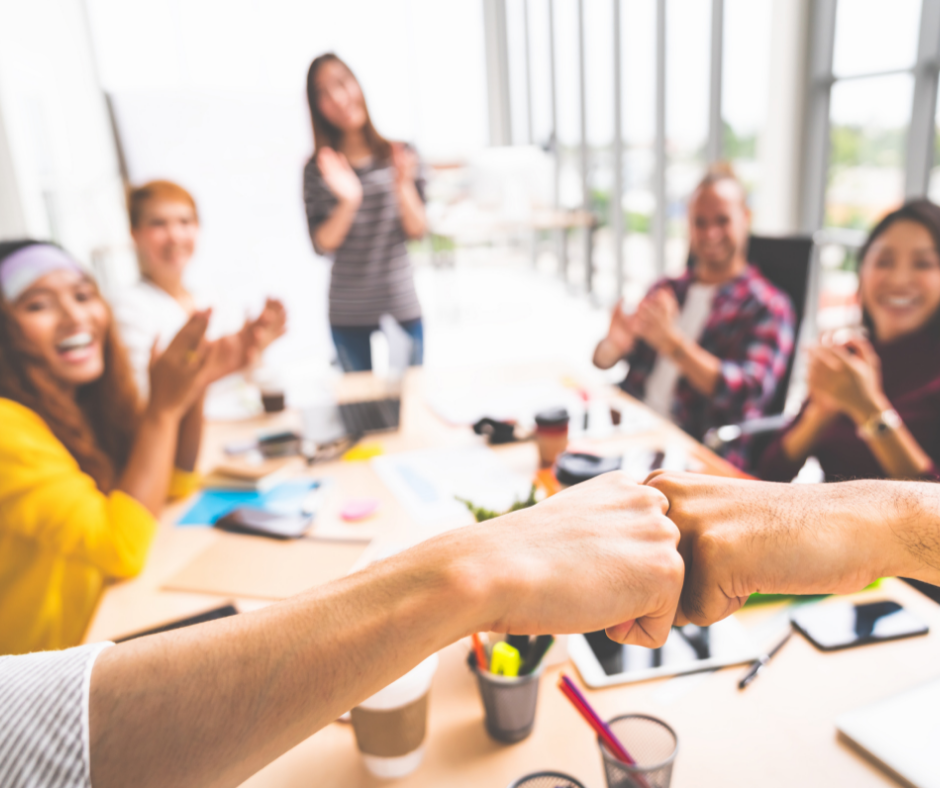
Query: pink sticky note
x=359 y=509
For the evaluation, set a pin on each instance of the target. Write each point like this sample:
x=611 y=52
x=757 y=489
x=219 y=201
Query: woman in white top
x=165 y=226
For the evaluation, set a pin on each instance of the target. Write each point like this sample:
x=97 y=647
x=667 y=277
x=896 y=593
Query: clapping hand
x=339 y=176
x=237 y=351
x=179 y=374
x=846 y=378
x=654 y=321
x=405 y=163
x=622 y=332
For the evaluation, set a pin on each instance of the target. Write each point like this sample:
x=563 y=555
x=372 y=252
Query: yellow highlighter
x=505 y=660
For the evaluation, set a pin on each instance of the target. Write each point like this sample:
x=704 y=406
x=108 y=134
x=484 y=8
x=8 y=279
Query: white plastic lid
x=408 y=688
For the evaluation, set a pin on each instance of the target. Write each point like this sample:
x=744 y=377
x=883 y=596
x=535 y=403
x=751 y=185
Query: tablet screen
x=685 y=646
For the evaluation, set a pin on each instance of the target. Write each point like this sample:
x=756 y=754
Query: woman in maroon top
x=874 y=407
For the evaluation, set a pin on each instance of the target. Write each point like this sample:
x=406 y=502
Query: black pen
x=537 y=651
x=759 y=664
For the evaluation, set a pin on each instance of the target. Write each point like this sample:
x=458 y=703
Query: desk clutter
x=399 y=492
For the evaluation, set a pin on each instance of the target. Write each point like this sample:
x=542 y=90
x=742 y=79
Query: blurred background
x=562 y=139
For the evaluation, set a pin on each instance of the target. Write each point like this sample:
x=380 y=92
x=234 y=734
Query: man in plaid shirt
x=710 y=347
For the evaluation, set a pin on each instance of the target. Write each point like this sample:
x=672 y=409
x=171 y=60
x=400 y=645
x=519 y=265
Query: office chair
x=786 y=263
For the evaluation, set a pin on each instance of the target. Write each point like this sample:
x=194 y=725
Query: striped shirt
x=372 y=273
x=44 y=737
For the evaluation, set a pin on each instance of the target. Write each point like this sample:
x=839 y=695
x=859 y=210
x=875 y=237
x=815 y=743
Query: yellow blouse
x=61 y=538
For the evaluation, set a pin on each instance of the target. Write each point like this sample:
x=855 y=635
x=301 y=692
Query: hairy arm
x=741 y=537
x=228 y=697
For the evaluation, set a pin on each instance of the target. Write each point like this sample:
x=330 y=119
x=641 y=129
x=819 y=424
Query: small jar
x=551 y=432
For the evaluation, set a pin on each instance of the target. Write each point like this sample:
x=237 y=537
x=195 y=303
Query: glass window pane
x=638 y=60
x=875 y=35
x=933 y=190
x=869 y=120
x=688 y=65
x=746 y=85
x=515 y=37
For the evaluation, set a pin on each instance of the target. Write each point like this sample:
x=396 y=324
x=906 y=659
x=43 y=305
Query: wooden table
x=779 y=732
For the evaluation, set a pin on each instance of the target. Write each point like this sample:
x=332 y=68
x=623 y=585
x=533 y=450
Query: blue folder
x=286 y=498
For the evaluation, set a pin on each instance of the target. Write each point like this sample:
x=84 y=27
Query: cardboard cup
x=390 y=726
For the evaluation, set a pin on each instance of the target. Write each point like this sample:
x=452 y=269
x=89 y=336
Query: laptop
x=901 y=734
x=330 y=423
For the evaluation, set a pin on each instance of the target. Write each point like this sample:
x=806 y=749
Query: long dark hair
x=97 y=425
x=927 y=215
x=325 y=134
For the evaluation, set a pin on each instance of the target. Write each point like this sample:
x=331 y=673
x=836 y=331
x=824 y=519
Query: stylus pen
x=758 y=666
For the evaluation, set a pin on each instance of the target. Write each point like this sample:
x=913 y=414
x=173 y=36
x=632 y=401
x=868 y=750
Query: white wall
x=421 y=62
x=59 y=175
x=211 y=94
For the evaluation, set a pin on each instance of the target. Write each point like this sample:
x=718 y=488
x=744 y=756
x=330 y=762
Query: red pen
x=570 y=691
x=482 y=663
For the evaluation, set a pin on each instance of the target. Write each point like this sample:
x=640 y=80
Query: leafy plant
x=480 y=514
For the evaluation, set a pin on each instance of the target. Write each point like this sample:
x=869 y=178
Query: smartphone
x=259 y=522
x=837 y=625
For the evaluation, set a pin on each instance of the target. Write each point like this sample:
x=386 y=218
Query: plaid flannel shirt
x=750 y=330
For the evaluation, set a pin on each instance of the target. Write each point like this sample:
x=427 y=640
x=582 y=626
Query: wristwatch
x=880 y=424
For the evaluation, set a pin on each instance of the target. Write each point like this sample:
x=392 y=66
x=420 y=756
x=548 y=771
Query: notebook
x=901 y=734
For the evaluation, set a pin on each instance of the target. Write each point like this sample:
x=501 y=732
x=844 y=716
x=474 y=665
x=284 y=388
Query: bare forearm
x=229 y=697
x=147 y=474
x=411 y=208
x=896 y=450
x=697 y=365
x=607 y=353
x=190 y=437
x=893 y=527
x=899 y=454
x=330 y=235
x=801 y=438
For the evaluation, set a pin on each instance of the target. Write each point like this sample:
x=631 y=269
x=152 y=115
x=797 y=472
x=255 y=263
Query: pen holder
x=651 y=743
x=547 y=780
x=509 y=704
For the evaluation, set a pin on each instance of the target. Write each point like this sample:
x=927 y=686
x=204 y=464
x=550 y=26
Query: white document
x=428 y=482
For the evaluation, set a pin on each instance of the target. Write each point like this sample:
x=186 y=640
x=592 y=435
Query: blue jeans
x=355 y=351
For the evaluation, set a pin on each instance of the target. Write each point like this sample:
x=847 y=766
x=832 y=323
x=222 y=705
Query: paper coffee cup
x=390 y=726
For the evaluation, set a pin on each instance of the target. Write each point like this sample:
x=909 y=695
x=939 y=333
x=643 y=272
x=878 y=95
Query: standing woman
x=84 y=471
x=365 y=198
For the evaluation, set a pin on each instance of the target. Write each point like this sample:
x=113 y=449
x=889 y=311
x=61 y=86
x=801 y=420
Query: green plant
x=480 y=514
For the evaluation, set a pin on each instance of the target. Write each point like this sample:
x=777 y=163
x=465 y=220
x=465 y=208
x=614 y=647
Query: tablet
x=689 y=649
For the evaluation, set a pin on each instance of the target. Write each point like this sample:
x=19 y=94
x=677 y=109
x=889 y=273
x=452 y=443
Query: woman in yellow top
x=84 y=469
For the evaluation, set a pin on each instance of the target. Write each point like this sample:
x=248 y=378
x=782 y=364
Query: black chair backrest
x=786 y=263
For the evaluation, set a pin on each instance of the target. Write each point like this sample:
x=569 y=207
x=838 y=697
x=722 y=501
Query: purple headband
x=21 y=269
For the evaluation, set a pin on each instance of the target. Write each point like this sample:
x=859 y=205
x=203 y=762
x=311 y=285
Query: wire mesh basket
x=651 y=743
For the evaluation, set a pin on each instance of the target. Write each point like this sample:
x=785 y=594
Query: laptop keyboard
x=380 y=415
